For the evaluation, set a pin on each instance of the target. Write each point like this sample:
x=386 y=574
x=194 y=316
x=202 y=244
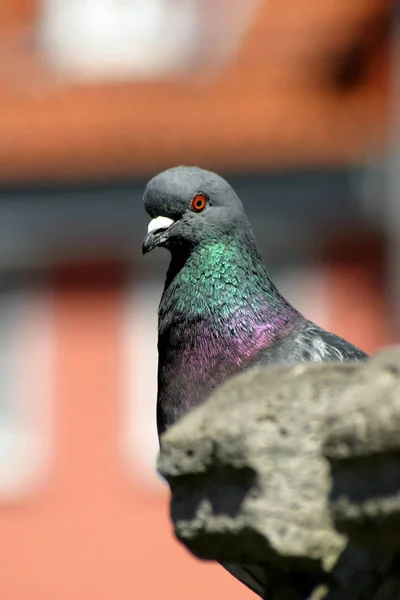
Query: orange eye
x=199 y=202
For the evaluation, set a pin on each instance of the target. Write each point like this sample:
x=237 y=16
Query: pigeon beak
x=156 y=233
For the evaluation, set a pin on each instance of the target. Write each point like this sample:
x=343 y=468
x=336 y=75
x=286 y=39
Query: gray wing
x=252 y=576
x=309 y=343
x=314 y=344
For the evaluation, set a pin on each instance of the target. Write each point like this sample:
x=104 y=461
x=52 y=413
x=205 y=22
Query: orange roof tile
x=283 y=100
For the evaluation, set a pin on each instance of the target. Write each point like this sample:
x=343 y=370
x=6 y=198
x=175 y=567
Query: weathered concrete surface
x=264 y=480
x=362 y=443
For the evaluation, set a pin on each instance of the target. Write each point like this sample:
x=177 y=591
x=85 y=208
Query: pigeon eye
x=199 y=202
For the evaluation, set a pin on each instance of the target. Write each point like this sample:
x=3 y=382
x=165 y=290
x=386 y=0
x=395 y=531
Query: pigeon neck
x=220 y=277
x=219 y=312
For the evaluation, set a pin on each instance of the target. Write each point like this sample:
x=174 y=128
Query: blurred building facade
x=296 y=109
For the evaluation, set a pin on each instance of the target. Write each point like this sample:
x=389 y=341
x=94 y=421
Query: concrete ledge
x=290 y=477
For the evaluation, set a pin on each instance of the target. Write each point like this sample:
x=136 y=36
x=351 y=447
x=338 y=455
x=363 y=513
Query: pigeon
x=219 y=313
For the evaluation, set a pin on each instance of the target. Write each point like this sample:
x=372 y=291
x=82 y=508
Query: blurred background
x=297 y=104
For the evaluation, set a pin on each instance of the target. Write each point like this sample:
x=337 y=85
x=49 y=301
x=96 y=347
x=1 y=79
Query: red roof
x=308 y=86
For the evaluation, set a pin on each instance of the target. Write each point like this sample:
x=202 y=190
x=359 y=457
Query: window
x=25 y=387
x=139 y=430
x=119 y=38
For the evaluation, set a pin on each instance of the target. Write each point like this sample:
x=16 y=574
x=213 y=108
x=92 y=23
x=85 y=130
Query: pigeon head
x=187 y=206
